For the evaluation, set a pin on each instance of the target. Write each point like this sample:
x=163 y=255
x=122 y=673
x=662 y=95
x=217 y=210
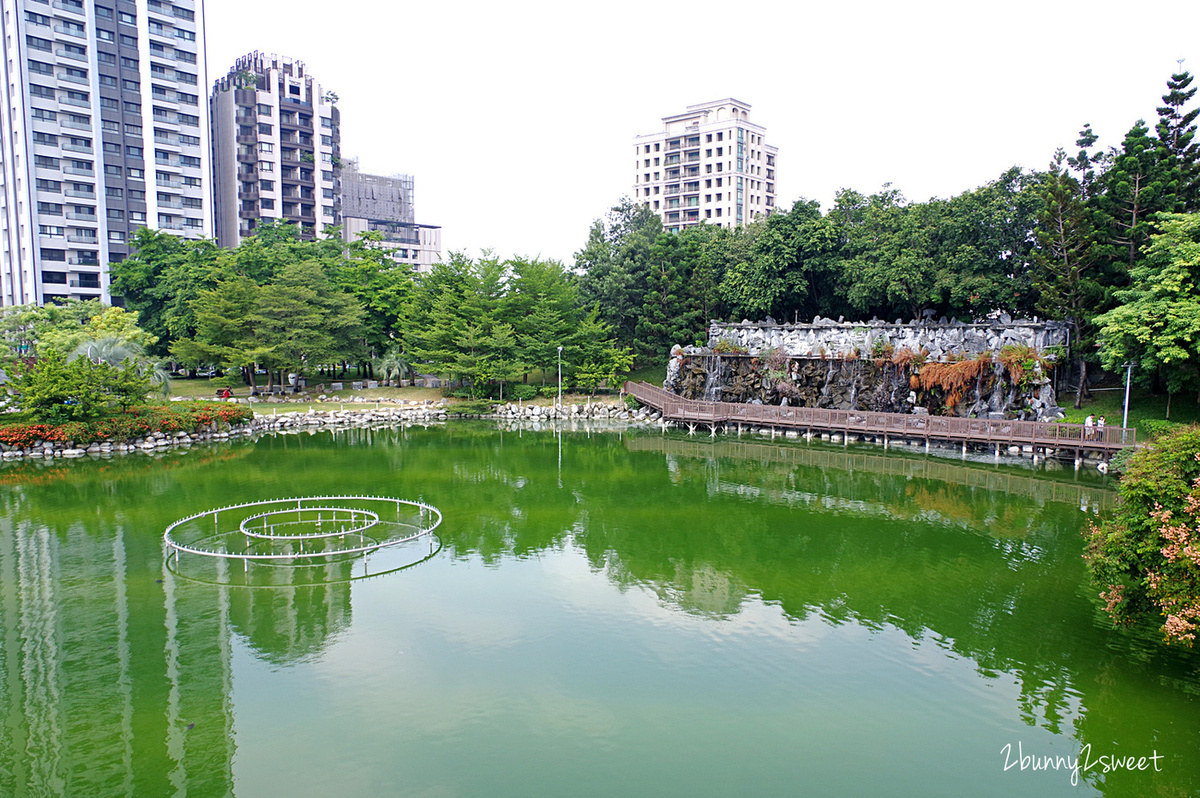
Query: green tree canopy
x=1158 y=324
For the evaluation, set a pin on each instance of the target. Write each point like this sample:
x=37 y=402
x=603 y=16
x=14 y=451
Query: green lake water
x=601 y=614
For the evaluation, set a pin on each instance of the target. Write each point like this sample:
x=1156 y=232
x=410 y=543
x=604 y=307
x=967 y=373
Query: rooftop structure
x=385 y=205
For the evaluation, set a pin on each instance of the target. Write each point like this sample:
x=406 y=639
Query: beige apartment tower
x=709 y=164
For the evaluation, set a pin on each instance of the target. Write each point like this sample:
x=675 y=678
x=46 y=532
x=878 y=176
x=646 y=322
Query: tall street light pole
x=1125 y=419
x=560 y=376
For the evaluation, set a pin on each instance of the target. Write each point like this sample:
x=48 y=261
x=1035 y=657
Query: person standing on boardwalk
x=1089 y=424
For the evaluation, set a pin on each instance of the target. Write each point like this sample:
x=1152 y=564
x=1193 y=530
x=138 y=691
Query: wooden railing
x=891 y=425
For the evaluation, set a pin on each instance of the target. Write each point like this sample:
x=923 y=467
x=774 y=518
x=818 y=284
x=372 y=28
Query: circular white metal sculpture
x=309 y=528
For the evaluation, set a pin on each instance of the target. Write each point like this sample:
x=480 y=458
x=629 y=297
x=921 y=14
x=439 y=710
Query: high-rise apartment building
x=276 y=149
x=104 y=131
x=708 y=164
x=385 y=205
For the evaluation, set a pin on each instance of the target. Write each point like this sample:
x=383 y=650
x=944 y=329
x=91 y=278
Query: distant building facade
x=276 y=149
x=385 y=205
x=105 y=131
x=709 y=164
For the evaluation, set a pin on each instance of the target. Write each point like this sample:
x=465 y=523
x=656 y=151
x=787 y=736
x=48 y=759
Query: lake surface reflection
x=606 y=614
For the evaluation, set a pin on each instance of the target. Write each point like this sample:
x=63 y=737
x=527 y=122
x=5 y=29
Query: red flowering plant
x=1146 y=556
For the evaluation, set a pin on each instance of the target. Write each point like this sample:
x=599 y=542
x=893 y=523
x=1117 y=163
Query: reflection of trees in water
x=987 y=574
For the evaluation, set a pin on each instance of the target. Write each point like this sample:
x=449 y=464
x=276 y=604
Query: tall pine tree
x=1176 y=134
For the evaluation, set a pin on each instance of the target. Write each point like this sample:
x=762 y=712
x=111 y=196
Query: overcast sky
x=517 y=119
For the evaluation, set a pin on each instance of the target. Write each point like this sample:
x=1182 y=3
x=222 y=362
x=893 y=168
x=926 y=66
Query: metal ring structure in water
x=392 y=521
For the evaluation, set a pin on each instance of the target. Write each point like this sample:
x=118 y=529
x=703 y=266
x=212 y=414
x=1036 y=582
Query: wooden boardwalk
x=1042 y=436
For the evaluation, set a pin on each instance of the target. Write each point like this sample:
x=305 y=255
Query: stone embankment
x=339 y=419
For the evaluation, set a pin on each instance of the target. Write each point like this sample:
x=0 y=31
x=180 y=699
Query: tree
x=1158 y=324
x=382 y=288
x=161 y=278
x=227 y=322
x=1067 y=262
x=1176 y=131
x=542 y=305
x=667 y=315
x=985 y=248
x=890 y=257
x=783 y=273
x=54 y=390
x=614 y=264
x=119 y=351
x=1146 y=556
x=1140 y=182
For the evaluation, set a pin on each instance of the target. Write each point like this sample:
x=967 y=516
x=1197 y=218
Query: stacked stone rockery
x=838 y=340
x=414 y=413
x=995 y=370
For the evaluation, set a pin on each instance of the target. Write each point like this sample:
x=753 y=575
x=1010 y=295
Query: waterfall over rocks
x=997 y=369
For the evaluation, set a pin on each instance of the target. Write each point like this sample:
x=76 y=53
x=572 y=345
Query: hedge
x=136 y=422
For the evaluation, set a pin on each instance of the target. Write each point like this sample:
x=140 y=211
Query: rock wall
x=841 y=339
x=995 y=370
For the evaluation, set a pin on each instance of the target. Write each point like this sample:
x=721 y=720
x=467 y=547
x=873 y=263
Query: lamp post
x=560 y=376
x=1125 y=419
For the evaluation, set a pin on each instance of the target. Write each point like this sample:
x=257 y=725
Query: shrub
x=550 y=391
x=477 y=407
x=54 y=390
x=522 y=390
x=1156 y=427
x=1119 y=462
x=727 y=346
x=1146 y=556
x=135 y=422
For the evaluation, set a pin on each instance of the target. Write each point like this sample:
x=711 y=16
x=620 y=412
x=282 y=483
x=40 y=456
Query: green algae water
x=601 y=614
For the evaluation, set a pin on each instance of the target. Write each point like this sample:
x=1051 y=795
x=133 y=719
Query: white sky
x=517 y=119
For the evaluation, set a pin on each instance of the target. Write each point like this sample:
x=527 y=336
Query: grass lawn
x=1143 y=407
x=654 y=373
x=204 y=388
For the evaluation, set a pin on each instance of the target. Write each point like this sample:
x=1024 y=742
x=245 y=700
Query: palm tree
x=115 y=351
x=395 y=362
